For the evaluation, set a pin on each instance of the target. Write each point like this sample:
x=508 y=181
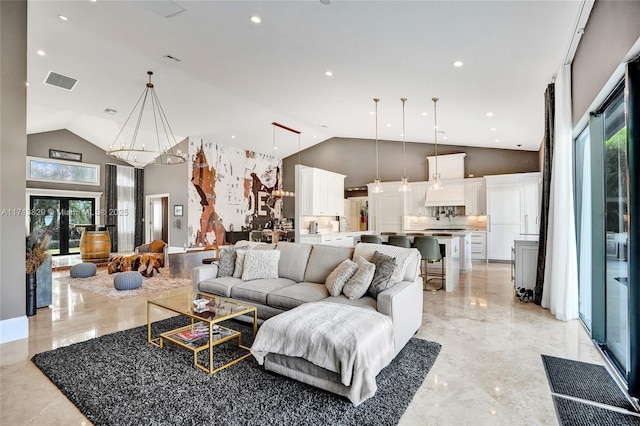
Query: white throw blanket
x=354 y=342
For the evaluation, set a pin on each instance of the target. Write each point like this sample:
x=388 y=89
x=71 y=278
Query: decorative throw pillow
x=358 y=284
x=260 y=264
x=402 y=255
x=227 y=262
x=339 y=276
x=237 y=271
x=382 y=276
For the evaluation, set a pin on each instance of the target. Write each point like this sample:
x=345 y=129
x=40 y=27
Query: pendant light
x=404 y=186
x=435 y=183
x=141 y=154
x=377 y=187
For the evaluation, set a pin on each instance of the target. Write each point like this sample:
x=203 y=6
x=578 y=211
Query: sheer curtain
x=126 y=208
x=560 y=292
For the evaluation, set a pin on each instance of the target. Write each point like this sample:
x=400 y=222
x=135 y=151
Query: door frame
x=147 y=215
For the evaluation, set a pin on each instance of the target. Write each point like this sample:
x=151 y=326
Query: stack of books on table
x=197 y=331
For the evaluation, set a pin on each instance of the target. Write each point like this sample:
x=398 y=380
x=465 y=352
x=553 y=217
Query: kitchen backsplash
x=419 y=223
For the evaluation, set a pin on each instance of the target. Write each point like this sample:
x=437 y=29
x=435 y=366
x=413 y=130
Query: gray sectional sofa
x=302 y=271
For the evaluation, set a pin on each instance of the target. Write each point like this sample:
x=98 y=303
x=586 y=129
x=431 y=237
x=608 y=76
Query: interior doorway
x=157 y=217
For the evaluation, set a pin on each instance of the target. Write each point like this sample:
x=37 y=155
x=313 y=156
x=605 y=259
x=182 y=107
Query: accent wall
x=230 y=189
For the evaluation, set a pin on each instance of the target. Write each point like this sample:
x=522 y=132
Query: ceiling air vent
x=59 y=80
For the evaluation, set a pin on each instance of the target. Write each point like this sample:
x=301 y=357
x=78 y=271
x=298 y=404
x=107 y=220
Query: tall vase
x=31 y=294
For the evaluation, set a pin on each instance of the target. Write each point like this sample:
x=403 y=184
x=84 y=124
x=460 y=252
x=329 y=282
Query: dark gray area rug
x=575 y=413
x=583 y=380
x=120 y=379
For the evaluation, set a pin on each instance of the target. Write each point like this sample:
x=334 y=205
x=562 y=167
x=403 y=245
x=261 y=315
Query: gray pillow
x=227 y=262
x=339 y=277
x=382 y=276
x=357 y=286
x=260 y=264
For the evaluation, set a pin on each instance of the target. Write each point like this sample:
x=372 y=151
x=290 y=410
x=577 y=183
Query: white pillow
x=359 y=283
x=339 y=276
x=237 y=271
x=260 y=264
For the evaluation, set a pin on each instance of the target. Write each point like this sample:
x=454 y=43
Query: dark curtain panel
x=549 y=120
x=111 y=203
x=139 y=194
x=633 y=157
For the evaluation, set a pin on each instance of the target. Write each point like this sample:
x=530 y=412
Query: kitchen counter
x=344 y=239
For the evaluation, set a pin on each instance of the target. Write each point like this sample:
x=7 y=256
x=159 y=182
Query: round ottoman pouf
x=127 y=280
x=83 y=270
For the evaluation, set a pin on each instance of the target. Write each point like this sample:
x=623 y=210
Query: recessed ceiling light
x=372 y=112
x=233 y=136
x=458 y=64
x=41 y=52
x=328 y=73
x=27 y=83
x=64 y=18
x=493 y=129
x=315 y=136
x=256 y=19
x=489 y=114
x=401 y=135
x=275 y=147
x=518 y=145
x=425 y=114
x=388 y=124
x=496 y=140
x=445 y=137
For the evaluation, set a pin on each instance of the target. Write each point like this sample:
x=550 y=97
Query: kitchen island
x=452 y=256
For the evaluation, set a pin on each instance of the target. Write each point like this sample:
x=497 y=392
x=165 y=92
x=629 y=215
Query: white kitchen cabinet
x=525 y=263
x=451 y=195
x=507 y=212
x=338 y=239
x=531 y=206
x=321 y=192
x=479 y=246
x=475 y=197
x=386 y=208
x=414 y=200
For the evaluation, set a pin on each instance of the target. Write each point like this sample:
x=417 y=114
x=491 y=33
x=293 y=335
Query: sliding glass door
x=616 y=232
x=59 y=216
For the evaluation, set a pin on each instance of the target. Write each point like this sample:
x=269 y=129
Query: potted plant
x=36 y=255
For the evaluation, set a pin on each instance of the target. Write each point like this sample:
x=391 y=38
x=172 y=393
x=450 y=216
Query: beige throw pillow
x=339 y=277
x=237 y=271
x=260 y=264
x=357 y=286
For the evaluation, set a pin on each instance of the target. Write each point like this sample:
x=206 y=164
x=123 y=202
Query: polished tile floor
x=489 y=371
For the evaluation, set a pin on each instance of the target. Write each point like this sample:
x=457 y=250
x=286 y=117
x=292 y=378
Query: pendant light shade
x=377 y=186
x=404 y=185
x=435 y=184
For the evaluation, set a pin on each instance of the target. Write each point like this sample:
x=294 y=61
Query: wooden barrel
x=95 y=246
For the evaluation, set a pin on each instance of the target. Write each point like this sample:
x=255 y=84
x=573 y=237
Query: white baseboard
x=14 y=329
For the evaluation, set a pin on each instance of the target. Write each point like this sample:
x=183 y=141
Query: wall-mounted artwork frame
x=65 y=155
x=177 y=210
x=61 y=171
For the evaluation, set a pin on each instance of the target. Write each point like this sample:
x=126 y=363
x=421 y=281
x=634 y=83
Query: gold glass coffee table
x=204 y=332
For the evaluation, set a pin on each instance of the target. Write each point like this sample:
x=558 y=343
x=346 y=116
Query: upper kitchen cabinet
x=321 y=192
x=451 y=194
x=386 y=208
x=451 y=170
x=512 y=211
x=475 y=197
x=414 y=199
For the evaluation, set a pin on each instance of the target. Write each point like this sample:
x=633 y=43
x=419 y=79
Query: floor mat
x=583 y=380
x=575 y=413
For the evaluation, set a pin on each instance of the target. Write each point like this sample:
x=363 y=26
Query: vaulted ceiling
x=233 y=77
